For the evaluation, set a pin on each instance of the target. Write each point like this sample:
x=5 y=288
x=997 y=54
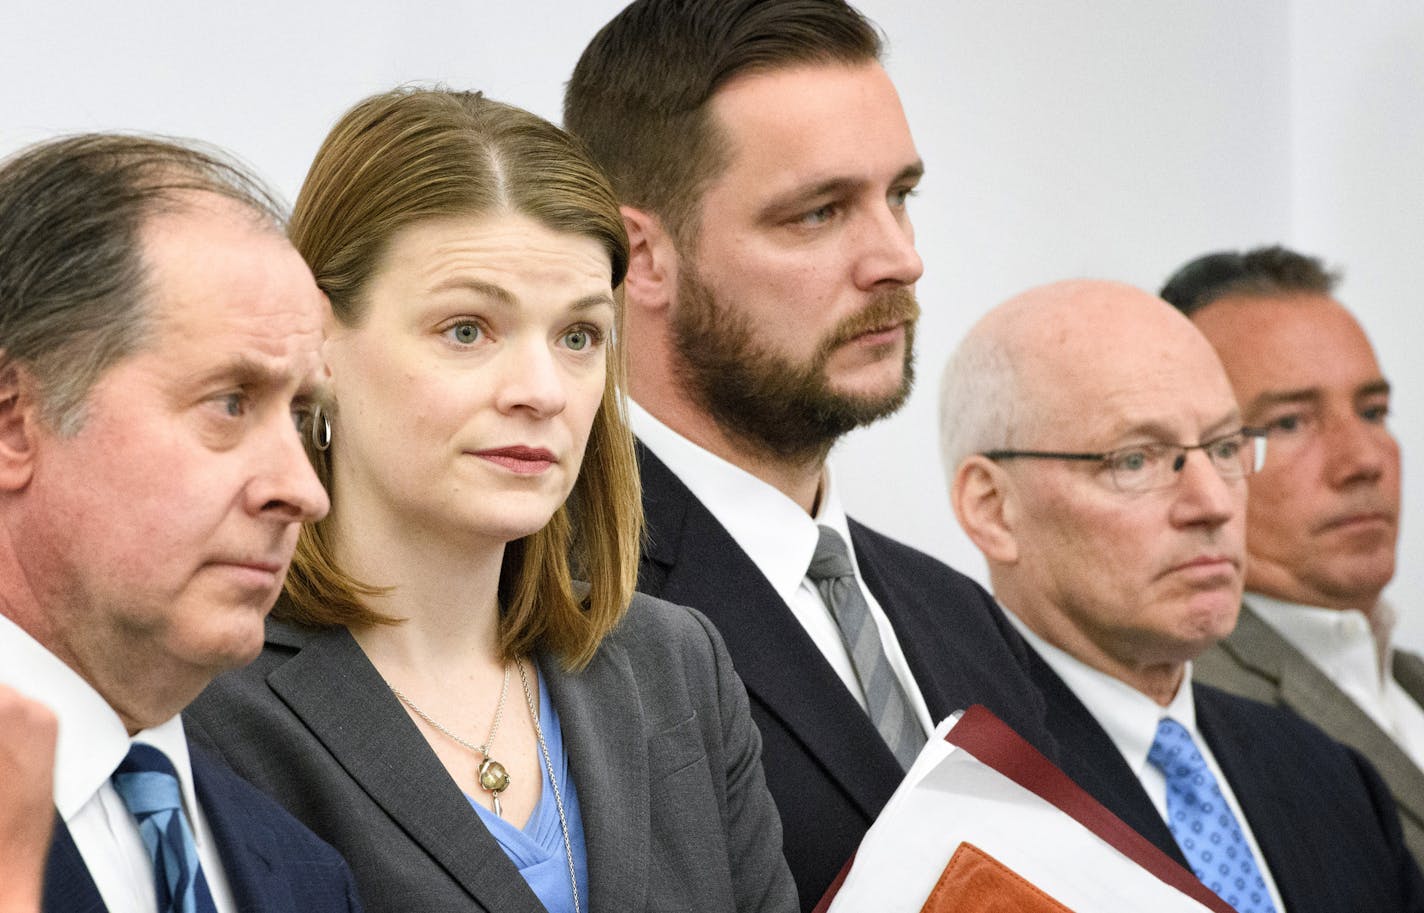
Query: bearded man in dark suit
x=765 y=165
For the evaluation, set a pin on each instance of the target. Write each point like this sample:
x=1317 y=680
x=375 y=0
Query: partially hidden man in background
x=1323 y=516
x=156 y=332
x=764 y=163
x=1098 y=459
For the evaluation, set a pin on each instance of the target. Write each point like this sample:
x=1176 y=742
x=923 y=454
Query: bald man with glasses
x=1097 y=457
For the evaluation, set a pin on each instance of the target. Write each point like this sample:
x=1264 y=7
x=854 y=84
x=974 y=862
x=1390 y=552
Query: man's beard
x=782 y=408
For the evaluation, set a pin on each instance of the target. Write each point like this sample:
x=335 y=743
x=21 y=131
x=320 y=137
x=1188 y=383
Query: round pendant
x=493 y=777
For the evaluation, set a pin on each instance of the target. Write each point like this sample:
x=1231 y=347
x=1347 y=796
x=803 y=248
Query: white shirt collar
x=774 y=531
x=1340 y=642
x=92 y=738
x=1128 y=716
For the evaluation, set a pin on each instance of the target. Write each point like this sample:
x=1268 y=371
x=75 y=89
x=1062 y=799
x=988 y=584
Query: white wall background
x=1113 y=138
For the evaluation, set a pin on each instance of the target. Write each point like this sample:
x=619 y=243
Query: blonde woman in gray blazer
x=438 y=696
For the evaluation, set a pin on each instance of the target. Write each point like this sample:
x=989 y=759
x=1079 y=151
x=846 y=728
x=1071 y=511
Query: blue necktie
x=1203 y=825
x=148 y=784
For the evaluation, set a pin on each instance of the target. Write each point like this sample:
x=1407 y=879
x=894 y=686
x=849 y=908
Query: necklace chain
x=493 y=778
x=483 y=751
x=553 y=781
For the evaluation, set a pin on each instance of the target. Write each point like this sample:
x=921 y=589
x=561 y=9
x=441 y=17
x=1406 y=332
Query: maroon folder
x=977 y=876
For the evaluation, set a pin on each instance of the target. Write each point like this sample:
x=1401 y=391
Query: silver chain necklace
x=492 y=776
x=553 y=781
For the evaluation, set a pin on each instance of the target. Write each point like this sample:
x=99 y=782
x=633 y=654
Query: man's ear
x=652 y=260
x=19 y=426
x=987 y=508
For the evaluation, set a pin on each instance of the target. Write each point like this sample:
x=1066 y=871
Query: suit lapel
x=1312 y=695
x=778 y=662
x=1408 y=670
x=237 y=835
x=1251 y=768
x=603 y=728
x=68 y=886
x=342 y=699
x=1087 y=755
x=960 y=649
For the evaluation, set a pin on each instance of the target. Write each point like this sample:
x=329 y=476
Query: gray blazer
x=1257 y=662
x=661 y=748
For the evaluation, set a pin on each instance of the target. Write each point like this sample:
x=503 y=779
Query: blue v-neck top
x=538 y=849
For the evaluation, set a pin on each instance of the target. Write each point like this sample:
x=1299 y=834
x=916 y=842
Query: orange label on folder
x=975 y=882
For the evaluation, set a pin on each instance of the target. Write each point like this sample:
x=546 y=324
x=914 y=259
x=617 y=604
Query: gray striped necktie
x=832 y=573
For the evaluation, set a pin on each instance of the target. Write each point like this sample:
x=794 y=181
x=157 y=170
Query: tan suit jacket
x=1257 y=662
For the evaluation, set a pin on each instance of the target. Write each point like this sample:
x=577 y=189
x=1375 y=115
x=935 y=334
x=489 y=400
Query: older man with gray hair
x=158 y=334
x=1096 y=456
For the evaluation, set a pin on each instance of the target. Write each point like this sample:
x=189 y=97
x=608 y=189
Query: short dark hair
x=72 y=276
x=1263 y=272
x=638 y=95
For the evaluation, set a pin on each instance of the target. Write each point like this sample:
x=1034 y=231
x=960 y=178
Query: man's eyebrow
x=1378 y=387
x=259 y=374
x=243 y=370
x=1304 y=396
x=1158 y=431
x=1227 y=424
x=911 y=172
x=837 y=186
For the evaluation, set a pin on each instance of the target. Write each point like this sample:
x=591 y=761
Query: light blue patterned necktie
x=1203 y=825
x=148 y=784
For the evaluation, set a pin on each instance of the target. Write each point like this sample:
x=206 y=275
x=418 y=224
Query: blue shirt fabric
x=538 y=849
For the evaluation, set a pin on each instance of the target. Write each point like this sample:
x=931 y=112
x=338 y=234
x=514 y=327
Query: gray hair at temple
x=72 y=277
x=981 y=406
x=1265 y=272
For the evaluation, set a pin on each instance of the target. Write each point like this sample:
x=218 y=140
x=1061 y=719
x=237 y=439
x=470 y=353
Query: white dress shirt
x=1356 y=657
x=92 y=743
x=1130 y=719
x=780 y=538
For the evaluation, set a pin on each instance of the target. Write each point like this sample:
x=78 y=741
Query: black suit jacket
x=1324 y=820
x=273 y=864
x=826 y=765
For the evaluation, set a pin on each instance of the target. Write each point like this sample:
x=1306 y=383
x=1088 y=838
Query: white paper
x=947 y=798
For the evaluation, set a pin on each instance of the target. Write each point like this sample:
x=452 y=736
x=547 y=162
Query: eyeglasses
x=1148 y=467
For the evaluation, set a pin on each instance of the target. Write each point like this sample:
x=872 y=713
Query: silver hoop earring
x=320 y=429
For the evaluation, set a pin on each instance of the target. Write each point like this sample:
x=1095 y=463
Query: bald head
x=1026 y=358
x=1126 y=580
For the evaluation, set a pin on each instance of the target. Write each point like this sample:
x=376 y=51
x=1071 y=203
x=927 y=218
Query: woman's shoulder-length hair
x=413 y=154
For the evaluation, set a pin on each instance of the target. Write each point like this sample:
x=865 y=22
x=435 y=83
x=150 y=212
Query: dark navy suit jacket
x=1323 y=818
x=826 y=765
x=273 y=863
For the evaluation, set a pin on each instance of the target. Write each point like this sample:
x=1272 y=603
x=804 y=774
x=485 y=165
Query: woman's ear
x=19 y=426
x=332 y=331
x=987 y=507
x=652 y=261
